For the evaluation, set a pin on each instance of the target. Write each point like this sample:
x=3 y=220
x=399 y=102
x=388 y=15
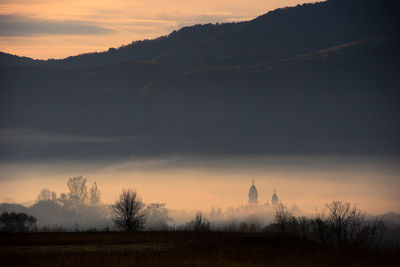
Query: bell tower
x=274 y=199
x=253 y=194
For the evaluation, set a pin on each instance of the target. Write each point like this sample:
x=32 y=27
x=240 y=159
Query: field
x=177 y=249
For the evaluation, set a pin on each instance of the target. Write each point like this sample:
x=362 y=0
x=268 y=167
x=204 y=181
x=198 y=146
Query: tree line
x=78 y=194
x=340 y=225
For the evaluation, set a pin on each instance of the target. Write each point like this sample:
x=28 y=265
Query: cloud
x=34 y=137
x=202 y=17
x=15 y=25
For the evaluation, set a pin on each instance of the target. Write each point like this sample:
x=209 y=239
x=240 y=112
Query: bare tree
x=129 y=211
x=157 y=216
x=349 y=227
x=77 y=189
x=94 y=194
x=285 y=219
x=345 y=221
x=63 y=199
x=320 y=229
x=372 y=233
x=201 y=223
x=46 y=195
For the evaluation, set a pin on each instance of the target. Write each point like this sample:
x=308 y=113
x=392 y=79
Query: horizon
x=56 y=31
x=199 y=183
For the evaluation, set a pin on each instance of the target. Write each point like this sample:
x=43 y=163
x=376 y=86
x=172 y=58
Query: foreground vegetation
x=179 y=249
x=340 y=235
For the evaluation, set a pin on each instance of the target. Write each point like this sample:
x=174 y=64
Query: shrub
x=285 y=220
x=17 y=222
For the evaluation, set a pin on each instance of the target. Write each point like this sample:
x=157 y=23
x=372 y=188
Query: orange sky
x=56 y=29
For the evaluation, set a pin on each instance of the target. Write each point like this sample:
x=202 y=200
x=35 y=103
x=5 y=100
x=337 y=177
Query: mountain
x=313 y=79
x=279 y=33
x=8 y=59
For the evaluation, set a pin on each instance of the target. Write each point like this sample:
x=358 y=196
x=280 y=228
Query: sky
x=43 y=29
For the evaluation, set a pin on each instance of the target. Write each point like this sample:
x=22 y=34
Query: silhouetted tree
x=320 y=230
x=349 y=227
x=285 y=219
x=77 y=189
x=63 y=198
x=94 y=194
x=243 y=227
x=16 y=222
x=46 y=195
x=201 y=223
x=128 y=211
x=303 y=226
x=157 y=216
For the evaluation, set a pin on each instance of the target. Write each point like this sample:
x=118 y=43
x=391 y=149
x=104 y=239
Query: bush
x=17 y=222
x=285 y=220
x=199 y=224
x=320 y=230
x=341 y=225
x=350 y=229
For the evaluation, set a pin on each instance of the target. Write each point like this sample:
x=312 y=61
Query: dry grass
x=177 y=249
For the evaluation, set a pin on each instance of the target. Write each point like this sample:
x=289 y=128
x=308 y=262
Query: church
x=253 y=196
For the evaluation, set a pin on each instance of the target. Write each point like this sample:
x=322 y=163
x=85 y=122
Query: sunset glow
x=56 y=29
x=200 y=183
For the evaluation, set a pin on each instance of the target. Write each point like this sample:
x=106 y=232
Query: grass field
x=178 y=249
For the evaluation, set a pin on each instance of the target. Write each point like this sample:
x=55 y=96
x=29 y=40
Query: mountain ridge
x=274 y=30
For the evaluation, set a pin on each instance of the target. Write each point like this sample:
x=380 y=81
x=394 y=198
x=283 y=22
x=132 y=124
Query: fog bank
x=199 y=183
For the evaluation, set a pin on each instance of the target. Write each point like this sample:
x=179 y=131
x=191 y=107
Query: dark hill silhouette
x=316 y=78
x=301 y=29
x=343 y=99
x=8 y=59
x=279 y=33
x=145 y=50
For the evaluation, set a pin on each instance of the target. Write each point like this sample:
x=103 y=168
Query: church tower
x=274 y=199
x=253 y=195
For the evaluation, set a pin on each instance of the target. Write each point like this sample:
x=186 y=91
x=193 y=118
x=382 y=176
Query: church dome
x=253 y=190
x=253 y=194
